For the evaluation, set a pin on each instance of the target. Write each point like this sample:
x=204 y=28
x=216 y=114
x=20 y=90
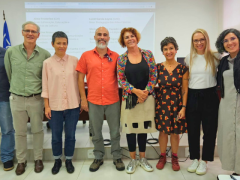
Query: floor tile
x=106 y=172
x=46 y=174
x=167 y=173
x=10 y=175
x=214 y=169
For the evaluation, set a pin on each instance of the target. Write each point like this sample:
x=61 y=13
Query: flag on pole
x=6 y=38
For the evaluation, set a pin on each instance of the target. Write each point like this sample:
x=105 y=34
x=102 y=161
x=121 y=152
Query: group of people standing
x=185 y=99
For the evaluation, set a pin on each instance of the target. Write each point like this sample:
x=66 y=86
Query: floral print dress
x=169 y=100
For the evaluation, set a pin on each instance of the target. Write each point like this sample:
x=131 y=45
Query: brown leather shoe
x=38 y=166
x=20 y=168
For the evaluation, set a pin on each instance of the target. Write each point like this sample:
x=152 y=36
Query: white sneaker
x=202 y=168
x=193 y=167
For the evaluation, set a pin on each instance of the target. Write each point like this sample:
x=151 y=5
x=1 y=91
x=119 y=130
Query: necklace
x=170 y=65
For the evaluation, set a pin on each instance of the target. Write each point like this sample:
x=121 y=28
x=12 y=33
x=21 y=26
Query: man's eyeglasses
x=225 y=41
x=107 y=56
x=196 y=41
x=30 y=31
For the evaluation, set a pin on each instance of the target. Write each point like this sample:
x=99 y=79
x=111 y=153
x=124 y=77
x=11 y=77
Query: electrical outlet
x=186 y=151
x=90 y=154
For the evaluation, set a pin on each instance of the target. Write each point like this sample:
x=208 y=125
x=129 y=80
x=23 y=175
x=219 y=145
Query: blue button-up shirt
x=4 y=84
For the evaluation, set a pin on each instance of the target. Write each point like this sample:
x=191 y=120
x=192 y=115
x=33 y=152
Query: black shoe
x=69 y=166
x=7 y=166
x=57 y=166
x=235 y=174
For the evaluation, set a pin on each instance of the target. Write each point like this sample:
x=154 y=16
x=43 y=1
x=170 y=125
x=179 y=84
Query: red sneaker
x=162 y=161
x=175 y=165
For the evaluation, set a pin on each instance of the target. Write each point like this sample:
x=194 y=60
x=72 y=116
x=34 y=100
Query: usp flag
x=6 y=38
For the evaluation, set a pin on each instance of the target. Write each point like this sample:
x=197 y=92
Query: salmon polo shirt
x=101 y=76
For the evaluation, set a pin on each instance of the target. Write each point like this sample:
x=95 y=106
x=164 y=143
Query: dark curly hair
x=168 y=40
x=219 y=43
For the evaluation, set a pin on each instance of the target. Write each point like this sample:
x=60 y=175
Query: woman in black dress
x=171 y=101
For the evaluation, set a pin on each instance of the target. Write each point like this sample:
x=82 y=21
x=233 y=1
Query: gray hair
x=30 y=22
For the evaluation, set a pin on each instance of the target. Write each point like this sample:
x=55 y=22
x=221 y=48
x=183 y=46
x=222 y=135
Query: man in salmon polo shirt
x=100 y=67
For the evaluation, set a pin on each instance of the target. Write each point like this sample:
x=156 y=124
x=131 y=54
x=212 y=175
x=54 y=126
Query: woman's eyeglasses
x=196 y=41
x=225 y=41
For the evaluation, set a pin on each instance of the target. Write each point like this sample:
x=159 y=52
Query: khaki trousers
x=23 y=108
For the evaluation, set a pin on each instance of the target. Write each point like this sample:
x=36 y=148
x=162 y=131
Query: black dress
x=138 y=76
x=169 y=100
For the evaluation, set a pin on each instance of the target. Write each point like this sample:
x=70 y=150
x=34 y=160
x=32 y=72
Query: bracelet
x=184 y=106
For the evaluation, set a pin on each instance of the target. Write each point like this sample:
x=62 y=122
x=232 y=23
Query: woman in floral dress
x=171 y=101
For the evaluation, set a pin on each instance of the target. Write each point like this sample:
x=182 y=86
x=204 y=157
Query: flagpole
x=4 y=16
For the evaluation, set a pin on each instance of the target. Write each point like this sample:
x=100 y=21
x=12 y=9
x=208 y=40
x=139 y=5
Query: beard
x=100 y=45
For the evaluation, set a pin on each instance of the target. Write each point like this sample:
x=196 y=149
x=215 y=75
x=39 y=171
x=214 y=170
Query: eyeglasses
x=28 y=31
x=107 y=56
x=196 y=41
x=225 y=41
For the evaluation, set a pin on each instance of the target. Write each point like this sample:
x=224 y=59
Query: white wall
x=179 y=18
x=231 y=14
x=176 y=18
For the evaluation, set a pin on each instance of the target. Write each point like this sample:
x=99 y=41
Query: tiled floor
x=108 y=172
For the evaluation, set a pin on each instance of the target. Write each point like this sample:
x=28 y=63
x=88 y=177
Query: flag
x=6 y=38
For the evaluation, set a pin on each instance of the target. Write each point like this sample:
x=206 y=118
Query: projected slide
x=80 y=20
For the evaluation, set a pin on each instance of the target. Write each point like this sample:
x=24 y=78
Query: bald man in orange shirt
x=100 y=67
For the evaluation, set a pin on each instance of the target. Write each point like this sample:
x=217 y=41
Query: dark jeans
x=67 y=119
x=141 y=138
x=6 y=124
x=202 y=107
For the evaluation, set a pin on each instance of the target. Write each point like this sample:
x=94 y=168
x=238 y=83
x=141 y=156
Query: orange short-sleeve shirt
x=101 y=76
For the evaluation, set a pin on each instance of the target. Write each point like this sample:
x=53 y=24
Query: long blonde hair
x=208 y=54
